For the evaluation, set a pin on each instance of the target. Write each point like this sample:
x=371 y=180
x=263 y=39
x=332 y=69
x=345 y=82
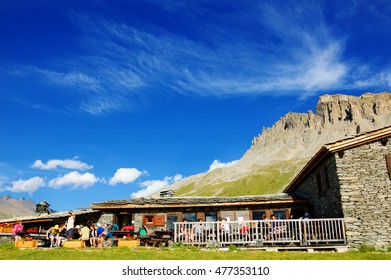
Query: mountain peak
x=278 y=154
x=300 y=135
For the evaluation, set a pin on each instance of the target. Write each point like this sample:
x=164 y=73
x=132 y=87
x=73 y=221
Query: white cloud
x=152 y=186
x=125 y=176
x=377 y=80
x=296 y=52
x=75 y=180
x=28 y=186
x=67 y=164
x=218 y=164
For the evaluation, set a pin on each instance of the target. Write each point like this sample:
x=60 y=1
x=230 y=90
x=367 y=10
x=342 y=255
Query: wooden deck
x=298 y=233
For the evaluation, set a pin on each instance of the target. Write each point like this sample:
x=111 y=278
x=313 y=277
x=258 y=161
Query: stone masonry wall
x=366 y=194
x=106 y=218
x=139 y=221
x=328 y=203
x=359 y=191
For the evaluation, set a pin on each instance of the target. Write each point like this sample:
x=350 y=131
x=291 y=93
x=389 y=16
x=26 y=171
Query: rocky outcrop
x=296 y=137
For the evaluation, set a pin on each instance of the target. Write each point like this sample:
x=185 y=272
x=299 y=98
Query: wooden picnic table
x=122 y=233
x=161 y=238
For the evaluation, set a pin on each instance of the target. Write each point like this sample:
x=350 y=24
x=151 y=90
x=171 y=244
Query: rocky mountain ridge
x=298 y=135
x=294 y=139
x=11 y=207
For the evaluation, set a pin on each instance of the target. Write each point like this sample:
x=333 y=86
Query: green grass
x=185 y=189
x=268 y=179
x=9 y=252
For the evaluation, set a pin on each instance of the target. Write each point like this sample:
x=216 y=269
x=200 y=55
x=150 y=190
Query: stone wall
x=139 y=221
x=359 y=191
x=366 y=194
x=106 y=218
x=326 y=204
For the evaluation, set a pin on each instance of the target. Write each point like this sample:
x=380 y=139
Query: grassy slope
x=9 y=252
x=264 y=180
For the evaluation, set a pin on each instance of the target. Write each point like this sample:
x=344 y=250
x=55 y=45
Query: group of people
x=93 y=235
x=272 y=229
x=189 y=232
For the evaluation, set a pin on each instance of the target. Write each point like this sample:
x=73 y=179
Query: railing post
x=218 y=234
x=342 y=222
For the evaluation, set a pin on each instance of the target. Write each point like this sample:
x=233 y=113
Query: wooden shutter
x=160 y=221
x=388 y=163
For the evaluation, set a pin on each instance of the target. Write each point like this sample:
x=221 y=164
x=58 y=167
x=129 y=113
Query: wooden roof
x=338 y=146
x=182 y=202
x=81 y=215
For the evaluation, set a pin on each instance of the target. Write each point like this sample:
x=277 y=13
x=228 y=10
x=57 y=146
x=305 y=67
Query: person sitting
x=17 y=231
x=99 y=229
x=186 y=231
x=101 y=234
x=62 y=236
x=52 y=234
x=199 y=231
x=244 y=232
x=85 y=234
x=114 y=227
x=93 y=236
x=77 y=232
x=109 y=232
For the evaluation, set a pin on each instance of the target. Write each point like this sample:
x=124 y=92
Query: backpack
x=143 y=231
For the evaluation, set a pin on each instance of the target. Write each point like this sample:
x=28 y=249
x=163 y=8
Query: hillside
x=278 y=153
x=11 y=207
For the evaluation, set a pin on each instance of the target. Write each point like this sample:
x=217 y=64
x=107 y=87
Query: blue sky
x=105 y=100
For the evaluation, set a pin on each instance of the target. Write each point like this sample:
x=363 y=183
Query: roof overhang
x=195 y=202
x=335 y=147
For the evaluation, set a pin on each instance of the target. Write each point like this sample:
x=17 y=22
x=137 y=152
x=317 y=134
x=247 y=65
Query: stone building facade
x=159 y=213
x=351 y=179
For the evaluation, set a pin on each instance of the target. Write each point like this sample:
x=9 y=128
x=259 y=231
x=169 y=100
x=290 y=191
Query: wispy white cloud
x=75 y=180
x=296 y=52
x=66 y=163
x=305 y=58
x=381 y=78
x=125 y=176
x=25 y=186
x=152 y=186
x=218 y=164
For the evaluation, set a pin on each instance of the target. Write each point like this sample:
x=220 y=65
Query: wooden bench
x=122 y=242
x=74 y=244
x=27 y=244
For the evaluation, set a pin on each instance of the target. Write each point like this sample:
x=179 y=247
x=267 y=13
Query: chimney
x=168 y=193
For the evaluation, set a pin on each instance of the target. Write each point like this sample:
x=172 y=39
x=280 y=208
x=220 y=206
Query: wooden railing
x=295 y=232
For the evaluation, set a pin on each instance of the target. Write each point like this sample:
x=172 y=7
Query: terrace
x=269 y=234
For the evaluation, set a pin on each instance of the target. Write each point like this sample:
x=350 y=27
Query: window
x=280 y=214
x=191 y=217
x=319 y=183
x=326 y=177
x=173 y=218
x=388 y=164
x=322 y=180
x=257 y=215
x=235 y=215
x=210 y=216
x=148 y=220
